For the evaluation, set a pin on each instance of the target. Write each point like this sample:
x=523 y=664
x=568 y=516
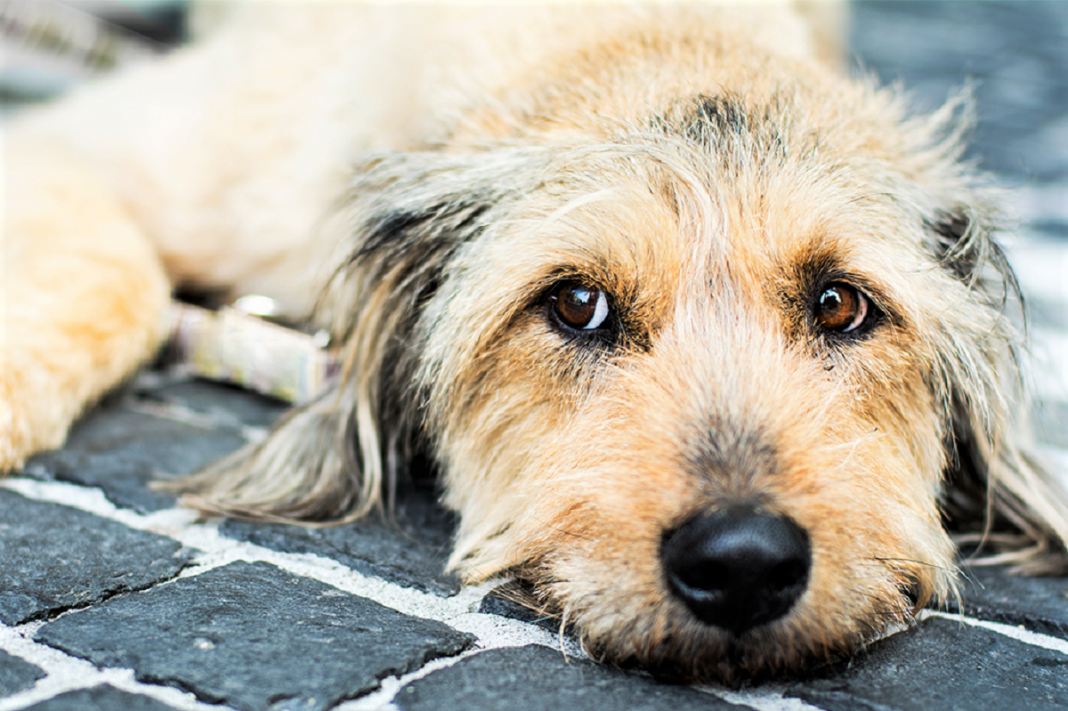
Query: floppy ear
x=997 y=479
x=403 y=219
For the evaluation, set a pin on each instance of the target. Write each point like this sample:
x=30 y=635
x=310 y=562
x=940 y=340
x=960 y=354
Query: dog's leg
x=83 y=296
x=208 y=170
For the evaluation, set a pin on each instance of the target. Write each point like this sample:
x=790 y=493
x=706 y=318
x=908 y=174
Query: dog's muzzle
x=737 y=568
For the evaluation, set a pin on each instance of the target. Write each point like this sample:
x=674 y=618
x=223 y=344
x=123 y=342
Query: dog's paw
x=68 y=343
x=22 y=432
x=84 y=299
x=49 y=377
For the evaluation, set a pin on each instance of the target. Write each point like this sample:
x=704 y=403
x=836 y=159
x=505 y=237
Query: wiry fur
x=710 y=184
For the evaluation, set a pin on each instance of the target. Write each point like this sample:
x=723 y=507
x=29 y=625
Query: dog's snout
x=737 y=569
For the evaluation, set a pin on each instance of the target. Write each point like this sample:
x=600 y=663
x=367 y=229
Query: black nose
x=736 y=568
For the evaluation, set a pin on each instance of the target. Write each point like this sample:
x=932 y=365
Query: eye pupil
x=580 y=307
x=577 y=305
x=841 y=308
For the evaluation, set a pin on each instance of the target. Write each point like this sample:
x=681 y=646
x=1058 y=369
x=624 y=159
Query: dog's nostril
x=737 y=569
x=784 y=576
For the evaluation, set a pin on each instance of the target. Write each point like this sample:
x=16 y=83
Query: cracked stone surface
x=54 y=557
x=253 y=636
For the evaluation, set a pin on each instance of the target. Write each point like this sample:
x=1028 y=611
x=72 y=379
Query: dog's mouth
x=738 y=600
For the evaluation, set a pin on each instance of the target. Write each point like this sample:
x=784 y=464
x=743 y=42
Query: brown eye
x=841 y=308
x=580 y=307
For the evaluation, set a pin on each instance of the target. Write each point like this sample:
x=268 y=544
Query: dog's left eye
x=582 y=308
x=842 y=308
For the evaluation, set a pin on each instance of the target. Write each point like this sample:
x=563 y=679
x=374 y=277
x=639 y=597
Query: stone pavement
x=112 y=598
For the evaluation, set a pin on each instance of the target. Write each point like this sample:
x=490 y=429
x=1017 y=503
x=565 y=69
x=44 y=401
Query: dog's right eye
x=579 y=307
x=842 y=308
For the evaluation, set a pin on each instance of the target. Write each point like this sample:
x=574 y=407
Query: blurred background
x=48 y=47
x=1013 y=52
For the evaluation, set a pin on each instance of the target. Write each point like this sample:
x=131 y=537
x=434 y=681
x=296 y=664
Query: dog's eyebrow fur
x=397 y=230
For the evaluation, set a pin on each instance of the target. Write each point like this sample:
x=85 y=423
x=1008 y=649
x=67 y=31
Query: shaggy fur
x=442 y=177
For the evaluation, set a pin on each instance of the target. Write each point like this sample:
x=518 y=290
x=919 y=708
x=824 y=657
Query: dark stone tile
x=54 y=557
x=942 y=664
x=17 y=674
x=1038 y=604
x=100 y=698
x=227 y=404
x=120 y=449
x=534 y=678
x=253 y=636
x=411 y=550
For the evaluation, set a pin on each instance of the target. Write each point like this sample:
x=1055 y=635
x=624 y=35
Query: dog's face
x=693 y=392
x=695 y=377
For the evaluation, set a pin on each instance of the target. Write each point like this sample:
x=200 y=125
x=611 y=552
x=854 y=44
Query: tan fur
x=433 y=173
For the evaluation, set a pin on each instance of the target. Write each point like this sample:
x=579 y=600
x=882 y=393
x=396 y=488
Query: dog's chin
x=663 y=638
x=707 y=654
x=691 y=651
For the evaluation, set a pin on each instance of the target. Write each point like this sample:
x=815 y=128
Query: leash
x=237 y=343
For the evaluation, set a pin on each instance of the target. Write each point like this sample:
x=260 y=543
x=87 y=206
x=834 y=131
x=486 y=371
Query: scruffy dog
x=705 y=339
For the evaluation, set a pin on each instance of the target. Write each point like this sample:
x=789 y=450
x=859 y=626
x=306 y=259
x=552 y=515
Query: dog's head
x=697 y=380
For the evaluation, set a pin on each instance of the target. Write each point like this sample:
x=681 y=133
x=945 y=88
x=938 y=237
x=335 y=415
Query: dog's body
x=694 y=327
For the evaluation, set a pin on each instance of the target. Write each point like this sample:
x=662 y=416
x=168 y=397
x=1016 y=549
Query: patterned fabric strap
x=231 y=345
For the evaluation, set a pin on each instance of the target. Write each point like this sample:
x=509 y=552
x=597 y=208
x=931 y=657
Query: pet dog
x=705 y=339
